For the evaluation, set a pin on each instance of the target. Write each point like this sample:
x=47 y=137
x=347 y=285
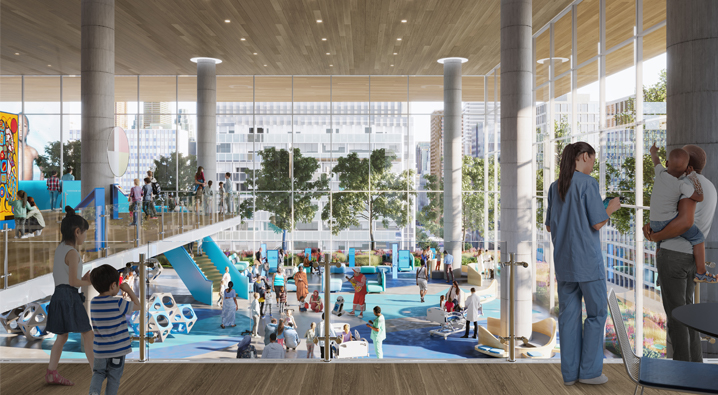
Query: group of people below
x=683 y=204
x=29 y=221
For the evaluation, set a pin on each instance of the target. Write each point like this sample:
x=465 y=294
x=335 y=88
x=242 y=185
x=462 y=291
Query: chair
x=378 y=285
x=665 y=374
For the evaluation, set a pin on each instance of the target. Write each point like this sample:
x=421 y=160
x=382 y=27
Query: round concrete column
x=453 y=156
x=97 y=93
x=692 y=98
x=516 y=152
x=207 y=117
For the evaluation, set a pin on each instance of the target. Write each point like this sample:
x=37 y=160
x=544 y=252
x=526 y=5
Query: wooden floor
x=322 y=378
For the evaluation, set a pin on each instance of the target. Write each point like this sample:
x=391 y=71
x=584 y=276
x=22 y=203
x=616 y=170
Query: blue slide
x=192 y=277
x=215 y=254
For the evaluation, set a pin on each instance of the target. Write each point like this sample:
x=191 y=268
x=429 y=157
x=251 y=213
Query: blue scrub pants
x=581 y=345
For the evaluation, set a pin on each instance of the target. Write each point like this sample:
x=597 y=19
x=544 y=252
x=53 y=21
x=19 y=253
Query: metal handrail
x=511 y=338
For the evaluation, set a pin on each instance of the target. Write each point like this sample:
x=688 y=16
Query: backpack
x=156 y=190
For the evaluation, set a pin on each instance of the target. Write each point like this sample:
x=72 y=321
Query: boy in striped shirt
x=112 y=339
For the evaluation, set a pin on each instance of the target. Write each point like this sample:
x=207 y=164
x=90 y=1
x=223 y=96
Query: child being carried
x=670 y=186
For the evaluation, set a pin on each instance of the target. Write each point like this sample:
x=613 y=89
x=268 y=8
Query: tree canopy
x=357 y=175
x=431 y=216
x=275 y=174
x=166 y=171
x=72 y=156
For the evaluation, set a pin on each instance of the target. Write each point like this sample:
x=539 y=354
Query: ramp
x=190 y=274
x=215 y=254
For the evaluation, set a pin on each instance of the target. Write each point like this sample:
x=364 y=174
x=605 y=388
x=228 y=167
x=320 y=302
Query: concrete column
x=692 y=98
x=97 y=93
x=516 y=153
x=207 y=117
x=453 y=156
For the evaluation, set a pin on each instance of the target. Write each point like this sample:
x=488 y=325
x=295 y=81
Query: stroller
x=245 y=349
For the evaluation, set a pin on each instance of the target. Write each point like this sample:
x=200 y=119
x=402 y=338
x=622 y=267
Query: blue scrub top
x=577 y=245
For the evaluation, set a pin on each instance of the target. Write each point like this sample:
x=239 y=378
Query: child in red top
x=449 y=306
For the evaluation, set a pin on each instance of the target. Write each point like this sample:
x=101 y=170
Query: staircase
x=210 y=271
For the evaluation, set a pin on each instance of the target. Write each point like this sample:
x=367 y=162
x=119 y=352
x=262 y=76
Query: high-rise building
x=436 y=142
x=156 y=115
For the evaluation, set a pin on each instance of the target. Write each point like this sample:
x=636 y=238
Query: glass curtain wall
x=600 y=77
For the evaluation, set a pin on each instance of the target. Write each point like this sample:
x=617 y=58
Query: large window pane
x=273 y=95
x=562 y=44
x=587 y=29
x=350 y=95
x=312 y=95
x=620 y=21
x=235 y=95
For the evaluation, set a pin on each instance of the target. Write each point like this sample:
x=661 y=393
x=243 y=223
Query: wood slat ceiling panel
x=159 y=37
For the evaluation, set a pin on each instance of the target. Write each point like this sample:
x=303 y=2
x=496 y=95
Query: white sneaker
x=38 y=233
x=25 y=236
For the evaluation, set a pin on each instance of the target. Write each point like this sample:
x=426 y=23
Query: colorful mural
x=8 y=162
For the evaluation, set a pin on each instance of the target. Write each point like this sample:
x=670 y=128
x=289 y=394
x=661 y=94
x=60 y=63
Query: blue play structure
x=190 y=274
x=38 y=190
x=96 y=198
x=394 y=260
x=273 y=260
x=352 y=258
x=406 y=263
x=308 y=253
x=263 y=250
x=215 y=254
x=119 y=202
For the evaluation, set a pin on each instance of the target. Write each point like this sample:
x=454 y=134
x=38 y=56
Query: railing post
x=138 y=212
x=143 y=308
x=327 y=313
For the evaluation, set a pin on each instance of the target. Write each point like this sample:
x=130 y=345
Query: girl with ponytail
x=66 y=312
x=574 y=216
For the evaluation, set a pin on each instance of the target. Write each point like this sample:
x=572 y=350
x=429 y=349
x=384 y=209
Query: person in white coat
x=473 y=311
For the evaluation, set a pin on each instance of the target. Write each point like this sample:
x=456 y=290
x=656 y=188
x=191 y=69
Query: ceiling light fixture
x=556 y=59
x=242 y=39
x=331 y=65
x=254 y=53
x=319 y=21
x=324 y=39
x=328 y=53
x=392 y=65
x=49 y=65
x=394 y=53
x=226 y=21
x=403 y=21
x=265 y=65
x=398 y=39
x=17 y=53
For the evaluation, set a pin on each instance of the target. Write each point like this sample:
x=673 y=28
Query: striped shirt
x=112 y=338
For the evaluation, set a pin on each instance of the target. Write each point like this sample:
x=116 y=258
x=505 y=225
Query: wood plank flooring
x=321 y=378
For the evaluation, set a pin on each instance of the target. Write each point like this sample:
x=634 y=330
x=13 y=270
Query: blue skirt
x=66 y=312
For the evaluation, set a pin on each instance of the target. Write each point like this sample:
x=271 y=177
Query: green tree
x=275 y=174
x=656 y=93
x=72 y=157
x=374 y=174
x=166 y=171
x=431 y=216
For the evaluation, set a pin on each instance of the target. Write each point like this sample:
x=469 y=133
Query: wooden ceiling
x=158 y=37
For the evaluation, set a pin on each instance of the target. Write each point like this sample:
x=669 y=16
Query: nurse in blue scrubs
x=574 y=217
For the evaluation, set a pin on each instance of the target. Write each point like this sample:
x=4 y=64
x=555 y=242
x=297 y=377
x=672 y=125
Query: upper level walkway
x=28 y=262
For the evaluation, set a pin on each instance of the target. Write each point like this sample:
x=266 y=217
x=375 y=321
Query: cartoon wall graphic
x=8 y=162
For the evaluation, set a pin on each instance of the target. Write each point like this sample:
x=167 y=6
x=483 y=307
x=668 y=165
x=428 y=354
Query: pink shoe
x=53 y=377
